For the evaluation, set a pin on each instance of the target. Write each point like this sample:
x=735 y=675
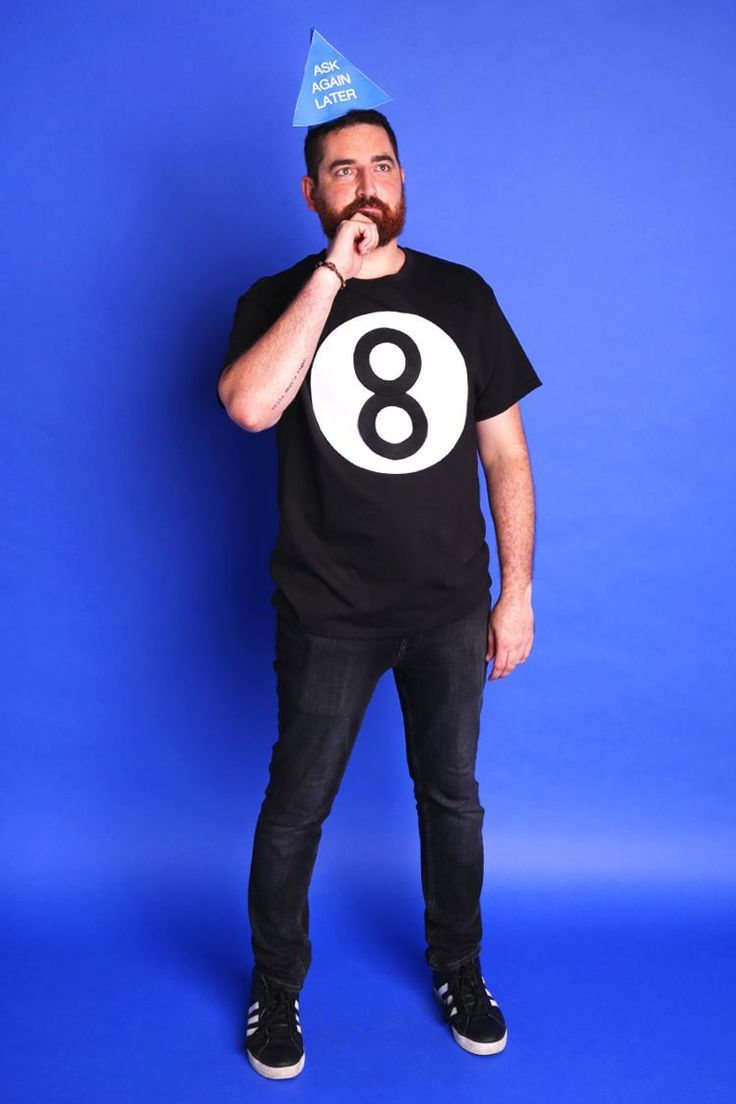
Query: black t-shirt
x=381 y=529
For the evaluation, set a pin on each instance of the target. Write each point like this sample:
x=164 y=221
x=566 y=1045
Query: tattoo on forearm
x=289 y=386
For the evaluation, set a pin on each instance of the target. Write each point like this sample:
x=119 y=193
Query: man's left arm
x=505 y=458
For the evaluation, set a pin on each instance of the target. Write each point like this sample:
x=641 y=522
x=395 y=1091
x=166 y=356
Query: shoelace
x=469 y=991
x=278 y=1010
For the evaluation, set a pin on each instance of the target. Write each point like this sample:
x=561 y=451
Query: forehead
x=361 y=141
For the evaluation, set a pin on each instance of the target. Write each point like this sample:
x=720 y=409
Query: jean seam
x=425 y=819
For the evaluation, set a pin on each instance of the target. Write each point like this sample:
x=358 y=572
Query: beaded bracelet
x=333 y=266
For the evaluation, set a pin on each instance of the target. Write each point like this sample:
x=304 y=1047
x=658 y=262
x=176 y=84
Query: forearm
x=511 y=501
x=259 y=385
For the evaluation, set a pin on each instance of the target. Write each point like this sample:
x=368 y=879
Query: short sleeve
x=251 y=320
x=506 y=373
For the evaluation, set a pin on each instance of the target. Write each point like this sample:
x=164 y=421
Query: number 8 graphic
x=389 y=393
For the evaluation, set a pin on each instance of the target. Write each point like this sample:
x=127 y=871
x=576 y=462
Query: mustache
x=354 y=207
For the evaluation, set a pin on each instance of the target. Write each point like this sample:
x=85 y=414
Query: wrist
x=331 y=267
x=516 y=593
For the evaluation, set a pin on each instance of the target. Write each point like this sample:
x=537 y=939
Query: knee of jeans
x=307 y=807
x=455 y=792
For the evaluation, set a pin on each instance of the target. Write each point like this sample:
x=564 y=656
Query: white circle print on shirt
x=389 y=391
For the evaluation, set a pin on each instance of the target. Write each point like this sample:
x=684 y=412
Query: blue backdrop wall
x=580 y=157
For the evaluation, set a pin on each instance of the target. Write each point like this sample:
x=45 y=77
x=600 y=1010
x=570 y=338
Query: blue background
x=580 y=157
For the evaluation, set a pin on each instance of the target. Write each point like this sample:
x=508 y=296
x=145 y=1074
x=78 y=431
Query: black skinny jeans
x=324 y=687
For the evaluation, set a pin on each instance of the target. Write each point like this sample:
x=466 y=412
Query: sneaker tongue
x=471 y=991
x=280 y=1012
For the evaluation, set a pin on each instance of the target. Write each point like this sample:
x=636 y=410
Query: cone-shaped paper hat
x=332 y=86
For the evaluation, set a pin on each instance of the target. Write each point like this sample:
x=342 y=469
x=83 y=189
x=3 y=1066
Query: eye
x=385 y=165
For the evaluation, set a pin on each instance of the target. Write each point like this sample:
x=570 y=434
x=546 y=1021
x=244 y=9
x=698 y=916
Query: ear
x=307 y=191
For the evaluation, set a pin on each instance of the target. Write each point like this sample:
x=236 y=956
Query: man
x=386 y=371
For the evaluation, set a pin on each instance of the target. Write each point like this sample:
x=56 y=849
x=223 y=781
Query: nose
x=362 y=182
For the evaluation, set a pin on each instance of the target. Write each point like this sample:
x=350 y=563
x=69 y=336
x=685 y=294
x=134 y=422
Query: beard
x=389 y=220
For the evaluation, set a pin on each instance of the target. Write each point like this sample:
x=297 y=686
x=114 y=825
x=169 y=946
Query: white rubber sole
x=276 y=1072
x=480 y=1048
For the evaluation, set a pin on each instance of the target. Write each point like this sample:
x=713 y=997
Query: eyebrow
x=352 y=161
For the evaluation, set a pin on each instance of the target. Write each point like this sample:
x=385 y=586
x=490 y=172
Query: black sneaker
x=274 y=1035
x=476 y=1020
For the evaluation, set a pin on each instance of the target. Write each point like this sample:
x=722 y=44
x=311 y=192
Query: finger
x=500 y=663
x=366 y=243
x=519 y=654
x=369 y=234
x=362 y=226
x=513 y=662
x=491 y=644
x=510 y=660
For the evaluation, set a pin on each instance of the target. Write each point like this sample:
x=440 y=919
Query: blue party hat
x=332 y=86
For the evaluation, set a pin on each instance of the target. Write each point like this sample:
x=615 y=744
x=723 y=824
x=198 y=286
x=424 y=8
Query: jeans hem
x=455 y=966
x=293 y=988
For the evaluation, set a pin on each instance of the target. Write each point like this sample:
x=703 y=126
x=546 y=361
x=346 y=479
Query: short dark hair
x=314 y=144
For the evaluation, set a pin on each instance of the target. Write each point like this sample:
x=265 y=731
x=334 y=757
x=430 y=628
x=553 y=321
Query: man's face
x=358 y=170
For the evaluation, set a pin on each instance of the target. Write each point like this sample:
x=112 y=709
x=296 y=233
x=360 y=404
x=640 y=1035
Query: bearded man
x=387 y=372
